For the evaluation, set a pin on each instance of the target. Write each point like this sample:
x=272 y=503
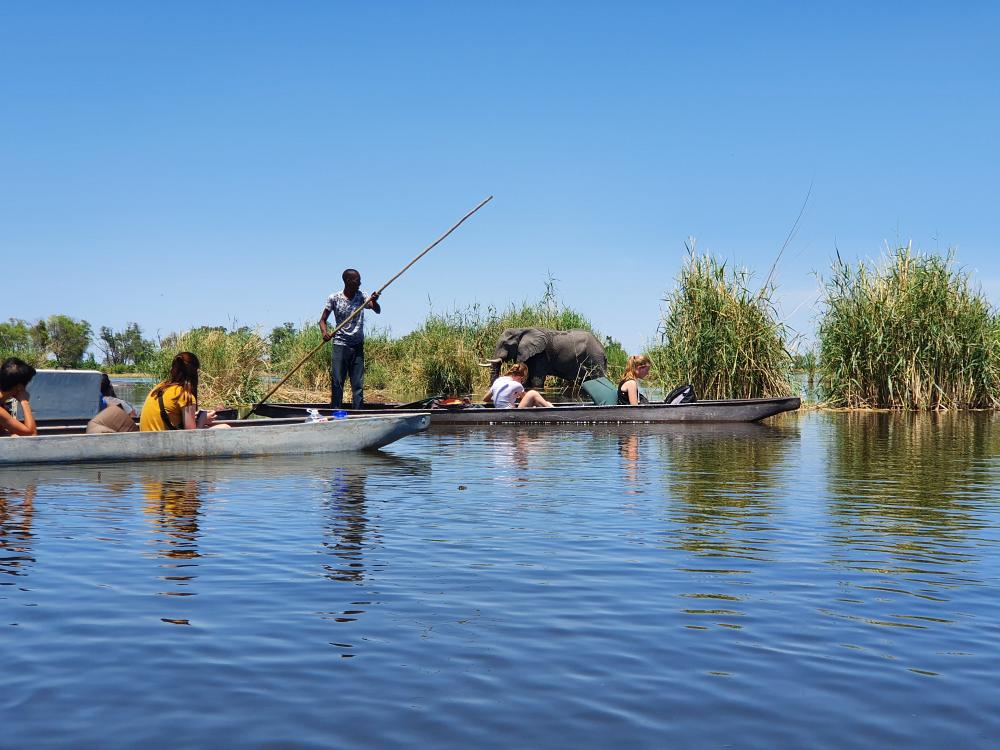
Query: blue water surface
x=826 y=580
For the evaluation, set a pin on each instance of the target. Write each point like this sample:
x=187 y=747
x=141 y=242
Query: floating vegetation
x=909 y=334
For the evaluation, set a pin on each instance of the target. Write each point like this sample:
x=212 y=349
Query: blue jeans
x=347 y=361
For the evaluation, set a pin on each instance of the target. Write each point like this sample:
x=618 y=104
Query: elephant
x=574 y=355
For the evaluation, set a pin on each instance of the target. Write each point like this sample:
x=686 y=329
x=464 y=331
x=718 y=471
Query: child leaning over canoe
x=15 y=374
x=173 y=404
x=507 y=392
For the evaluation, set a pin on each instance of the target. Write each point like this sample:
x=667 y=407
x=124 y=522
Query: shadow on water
x=910 y=487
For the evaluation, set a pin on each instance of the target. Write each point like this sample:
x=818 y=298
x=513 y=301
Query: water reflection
x=172 y=504
x=628 y=450
x=723 y=482
x=347 y=525
x=909 y=487
x=17 y=509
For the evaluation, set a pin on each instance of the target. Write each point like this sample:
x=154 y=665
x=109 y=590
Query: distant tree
x=68 y=339
x=39 y=337
x=282 y=338
x=15 y=340
x=126 y=347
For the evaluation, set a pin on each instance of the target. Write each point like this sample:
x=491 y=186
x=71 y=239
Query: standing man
x=348 y=357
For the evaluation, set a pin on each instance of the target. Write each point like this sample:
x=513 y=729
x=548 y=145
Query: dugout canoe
x=250 y=437
x=729 y=410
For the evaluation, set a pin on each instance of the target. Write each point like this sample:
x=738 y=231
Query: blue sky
x=203 y=163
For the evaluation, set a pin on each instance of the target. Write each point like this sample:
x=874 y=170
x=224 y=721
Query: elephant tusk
x=490 y=362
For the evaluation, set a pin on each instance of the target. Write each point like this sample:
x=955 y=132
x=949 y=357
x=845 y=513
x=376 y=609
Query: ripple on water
x=824 y=581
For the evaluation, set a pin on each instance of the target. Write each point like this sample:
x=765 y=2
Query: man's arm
x=322 y=325
x=373 y=304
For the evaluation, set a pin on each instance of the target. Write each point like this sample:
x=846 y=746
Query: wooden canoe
x=730 y=410
x=251 y=437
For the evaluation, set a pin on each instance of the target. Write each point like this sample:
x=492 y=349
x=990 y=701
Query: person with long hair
x=173 y=404
x=15 y=374
x=636 y=368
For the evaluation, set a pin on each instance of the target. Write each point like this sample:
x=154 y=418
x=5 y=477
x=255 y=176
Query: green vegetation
x=720 y=336
x=125 y=351
x=440 y=357
x=910 y=334
x=233 y=363
x=60 y=341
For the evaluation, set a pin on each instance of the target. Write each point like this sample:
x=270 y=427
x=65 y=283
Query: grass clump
x=720 y=336
x=909 y=334
x=233 y=363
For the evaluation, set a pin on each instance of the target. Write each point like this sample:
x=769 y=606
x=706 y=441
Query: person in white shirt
x=507 y=391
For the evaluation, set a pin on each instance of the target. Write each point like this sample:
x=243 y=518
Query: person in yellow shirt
x=173 y=404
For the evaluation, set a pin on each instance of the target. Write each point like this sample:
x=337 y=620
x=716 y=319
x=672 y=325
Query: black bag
x=682 y=394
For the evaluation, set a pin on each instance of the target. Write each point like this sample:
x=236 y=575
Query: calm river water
x=825 y=581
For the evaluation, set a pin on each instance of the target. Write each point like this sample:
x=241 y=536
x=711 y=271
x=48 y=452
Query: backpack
x=682 y=394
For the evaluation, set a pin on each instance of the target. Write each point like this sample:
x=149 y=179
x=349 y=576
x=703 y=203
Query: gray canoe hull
x=729 y=410
x=246 y=438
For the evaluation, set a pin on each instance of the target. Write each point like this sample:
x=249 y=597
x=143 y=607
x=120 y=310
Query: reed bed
x=910 y=333
x=233 y=363
x=720 y=336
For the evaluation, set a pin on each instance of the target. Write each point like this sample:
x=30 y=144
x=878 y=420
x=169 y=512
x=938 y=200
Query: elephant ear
x=534 y=341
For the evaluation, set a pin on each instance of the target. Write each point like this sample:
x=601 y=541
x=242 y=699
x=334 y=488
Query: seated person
x=636 y=368
x=110 y=398
x=15 y=374
x=173 y=404
x=507 y=392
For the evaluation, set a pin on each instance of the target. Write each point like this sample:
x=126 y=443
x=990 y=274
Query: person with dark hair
x=348 y=351
x=173 y=404
x=15 y=374
x=110 y=398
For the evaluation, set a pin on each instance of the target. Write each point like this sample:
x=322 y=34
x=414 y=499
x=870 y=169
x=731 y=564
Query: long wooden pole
x=357 y=312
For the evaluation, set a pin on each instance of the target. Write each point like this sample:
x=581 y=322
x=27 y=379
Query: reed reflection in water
x=908 y=522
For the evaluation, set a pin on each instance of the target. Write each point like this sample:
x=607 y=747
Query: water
x=829 y=580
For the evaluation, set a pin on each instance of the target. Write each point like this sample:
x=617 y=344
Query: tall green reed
x=910 y=333
x=721 y=336
x=233 y=363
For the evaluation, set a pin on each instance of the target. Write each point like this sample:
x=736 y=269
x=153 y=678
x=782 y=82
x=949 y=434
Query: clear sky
x=187 y=163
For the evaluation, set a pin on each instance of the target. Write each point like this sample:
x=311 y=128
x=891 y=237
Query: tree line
x=62 y=341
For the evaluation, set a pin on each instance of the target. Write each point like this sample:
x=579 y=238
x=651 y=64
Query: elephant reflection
x=574 y=355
